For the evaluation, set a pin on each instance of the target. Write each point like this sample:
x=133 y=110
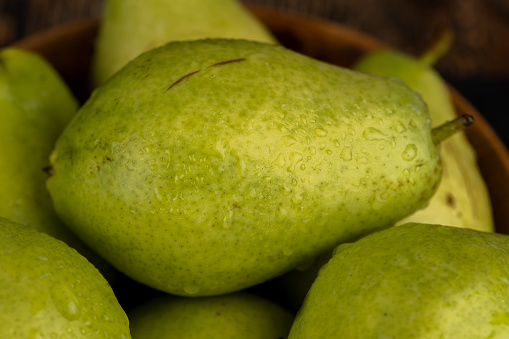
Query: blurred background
x=477 y=64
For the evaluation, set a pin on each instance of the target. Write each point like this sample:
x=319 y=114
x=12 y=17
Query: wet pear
x=130 y=27
x=462 y=197
x=411 y=281
x=205 y=167
x=49 y=290
x=236 y=315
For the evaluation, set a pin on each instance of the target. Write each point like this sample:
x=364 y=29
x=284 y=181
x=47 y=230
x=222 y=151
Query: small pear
x=462 y=197
x=237 y=315
x=208 y=166
x=411 y=281
x=49 y=290
x=130 y=27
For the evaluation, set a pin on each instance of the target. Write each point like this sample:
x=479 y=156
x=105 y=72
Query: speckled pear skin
x=462 y=199
x=49 y=290
x=230 y=316
x=131 y=27
x=208 y=166
x=411 y=281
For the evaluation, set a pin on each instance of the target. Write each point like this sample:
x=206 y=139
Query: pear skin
x=235 y=315
x=49 y=290
x=205 y=167
x=35 y=106
x=411 y=281
x=462 y=197
x=130 y=27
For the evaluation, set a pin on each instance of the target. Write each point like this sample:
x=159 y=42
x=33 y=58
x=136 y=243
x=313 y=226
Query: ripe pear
x=462 y=197
x=236 y=315
x=130 y=27
x=411 y=281
x=36 y=104
x=49 y=290
x=205 y=167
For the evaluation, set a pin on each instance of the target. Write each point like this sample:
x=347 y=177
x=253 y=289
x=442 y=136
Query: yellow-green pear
x=230 y=316
x=130 y=27
x=204 y=167
x=49 y=290
x=411 y=281
x=462 y=197
x=35 y=106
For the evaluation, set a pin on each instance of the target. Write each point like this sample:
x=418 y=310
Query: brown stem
x=448 y=129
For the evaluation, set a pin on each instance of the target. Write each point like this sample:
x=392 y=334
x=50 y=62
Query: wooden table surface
x=477 y=64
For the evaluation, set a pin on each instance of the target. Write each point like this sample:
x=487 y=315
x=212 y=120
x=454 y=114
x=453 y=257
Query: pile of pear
x=218 y=184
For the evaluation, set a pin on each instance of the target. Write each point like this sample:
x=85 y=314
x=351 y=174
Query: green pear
x=35 y=106
x=49 y=290
x=236 y=315
x=130 y=27
x=462 y=197
x=411 y=281
x=205 y=167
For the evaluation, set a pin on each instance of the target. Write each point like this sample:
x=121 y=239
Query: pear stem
x=449 y=128
x=438 y=48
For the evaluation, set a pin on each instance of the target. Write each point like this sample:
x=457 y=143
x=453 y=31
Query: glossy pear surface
x=49 y=290
x=130 y=27
x=208 y=166
x=236 y=315
x=411 y=281
x=462 y=197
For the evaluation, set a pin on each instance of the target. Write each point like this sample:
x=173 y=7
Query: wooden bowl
x=69 y=49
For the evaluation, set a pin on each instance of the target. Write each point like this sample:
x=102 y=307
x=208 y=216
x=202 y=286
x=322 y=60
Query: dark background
x=477 y=64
